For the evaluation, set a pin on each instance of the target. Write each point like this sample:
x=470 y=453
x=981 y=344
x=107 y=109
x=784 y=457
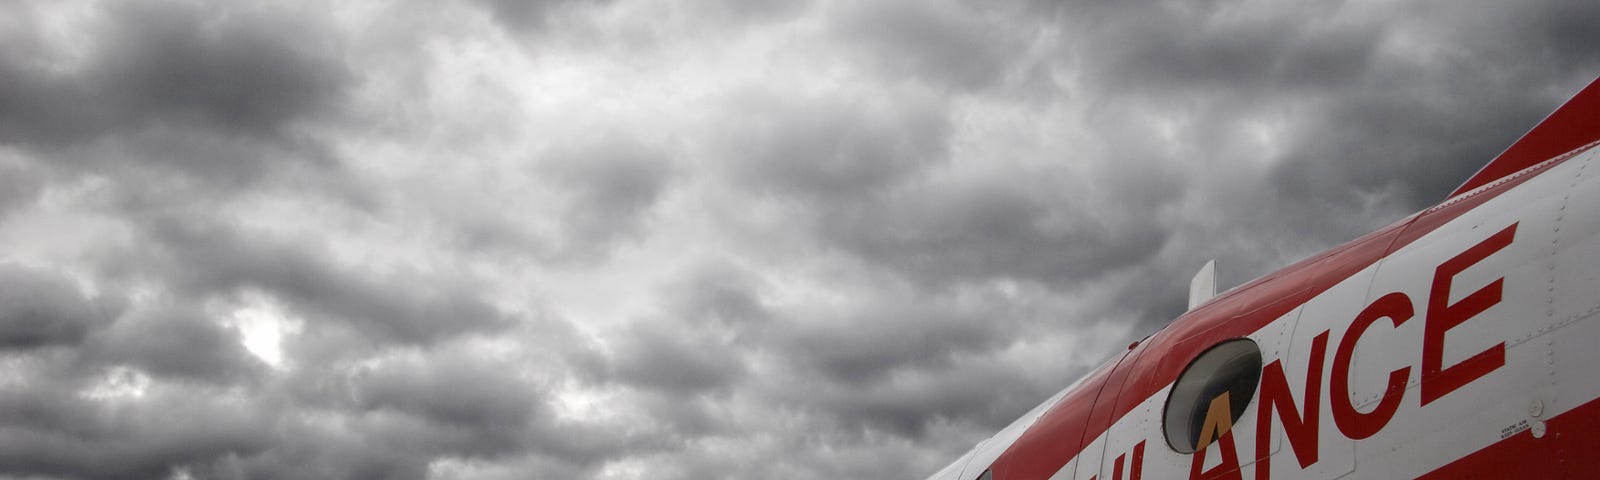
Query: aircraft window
x=1222 y=379
x=986 y=476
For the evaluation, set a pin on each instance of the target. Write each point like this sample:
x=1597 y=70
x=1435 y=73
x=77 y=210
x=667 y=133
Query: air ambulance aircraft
x=1460 y=342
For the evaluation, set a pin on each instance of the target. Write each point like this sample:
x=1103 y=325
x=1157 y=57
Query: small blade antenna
x=1204 y=285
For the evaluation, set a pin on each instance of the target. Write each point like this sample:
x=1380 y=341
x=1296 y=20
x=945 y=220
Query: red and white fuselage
x=1463 y=341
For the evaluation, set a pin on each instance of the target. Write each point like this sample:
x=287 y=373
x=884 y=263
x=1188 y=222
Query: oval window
x=1222 y=379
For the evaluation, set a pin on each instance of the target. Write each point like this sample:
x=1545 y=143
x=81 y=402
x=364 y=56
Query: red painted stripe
x=1061 y=423
x=1575 y=124
x=1091 y=409
x=1567 y=450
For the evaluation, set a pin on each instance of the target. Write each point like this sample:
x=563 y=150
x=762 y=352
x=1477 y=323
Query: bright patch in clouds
x=263 y=326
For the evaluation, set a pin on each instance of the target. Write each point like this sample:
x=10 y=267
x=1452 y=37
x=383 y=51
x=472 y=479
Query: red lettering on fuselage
x=1136 y=468
x=1354 y=424
x=1300 y=426
x=1437 y=380
x=1227 y=470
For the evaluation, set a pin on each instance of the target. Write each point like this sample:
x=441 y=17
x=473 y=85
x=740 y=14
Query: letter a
x=1218 y=425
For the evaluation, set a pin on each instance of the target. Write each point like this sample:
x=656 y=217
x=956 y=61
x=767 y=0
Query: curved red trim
x=1565 y=451
x=1062 y=422
x=1573 y=125
x=1088 y=411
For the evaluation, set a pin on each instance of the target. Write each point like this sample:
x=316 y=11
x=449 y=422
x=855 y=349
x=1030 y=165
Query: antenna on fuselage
x=1204 y=284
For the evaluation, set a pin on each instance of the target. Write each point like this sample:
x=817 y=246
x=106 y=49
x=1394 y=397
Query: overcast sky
x=577 y=239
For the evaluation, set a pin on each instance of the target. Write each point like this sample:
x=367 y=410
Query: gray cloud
x=717 y=293
x=1406 y=143
x=669 y=360
x=489 y=409
x=1173 y=52
x=41 y=308
x=612 y=182
x=946 y=45
x=986 y=231
x=699 y=345
x=864 y=347
x=381 y=447
x=991 y=392
x=249 y=72
x=531 y=15
x=19 y=186
x=54 y=433
x=406 y=307
x=176 y=341
x=831 y=148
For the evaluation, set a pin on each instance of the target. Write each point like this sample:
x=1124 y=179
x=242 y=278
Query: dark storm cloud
x=491 y=407
x=390 y=418
x=531 y=15
x=612 y=182
x=668 y=358
x=249 y=71
x=685 y=419
x=345 y=446
x=20 y=185
x=1376 y=141
x=991 y=393
x=54 y=432
x=1170 y=51
x=962 y=47
x=52 y=420
x=860 y=169
x=699 y=344
x=870 y=343
x=150 y=95
x=905 y=362
x=401 y=428
x=760 y=10
x=837 y=149
x=40 y=308
x=213 y=258
x=1426 y=131
x=984 y=231
x=449 y=396
x=894 y=364
x=720 y=294
x=1159 y=293
x=175 y=341
x=1380 y=120
x=607 y=184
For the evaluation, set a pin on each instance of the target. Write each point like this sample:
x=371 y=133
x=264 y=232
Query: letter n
x=1299 y=425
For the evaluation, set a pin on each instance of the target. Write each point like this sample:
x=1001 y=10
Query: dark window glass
x=1233 y=367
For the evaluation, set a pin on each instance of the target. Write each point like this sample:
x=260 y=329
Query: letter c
x=1355 y=424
